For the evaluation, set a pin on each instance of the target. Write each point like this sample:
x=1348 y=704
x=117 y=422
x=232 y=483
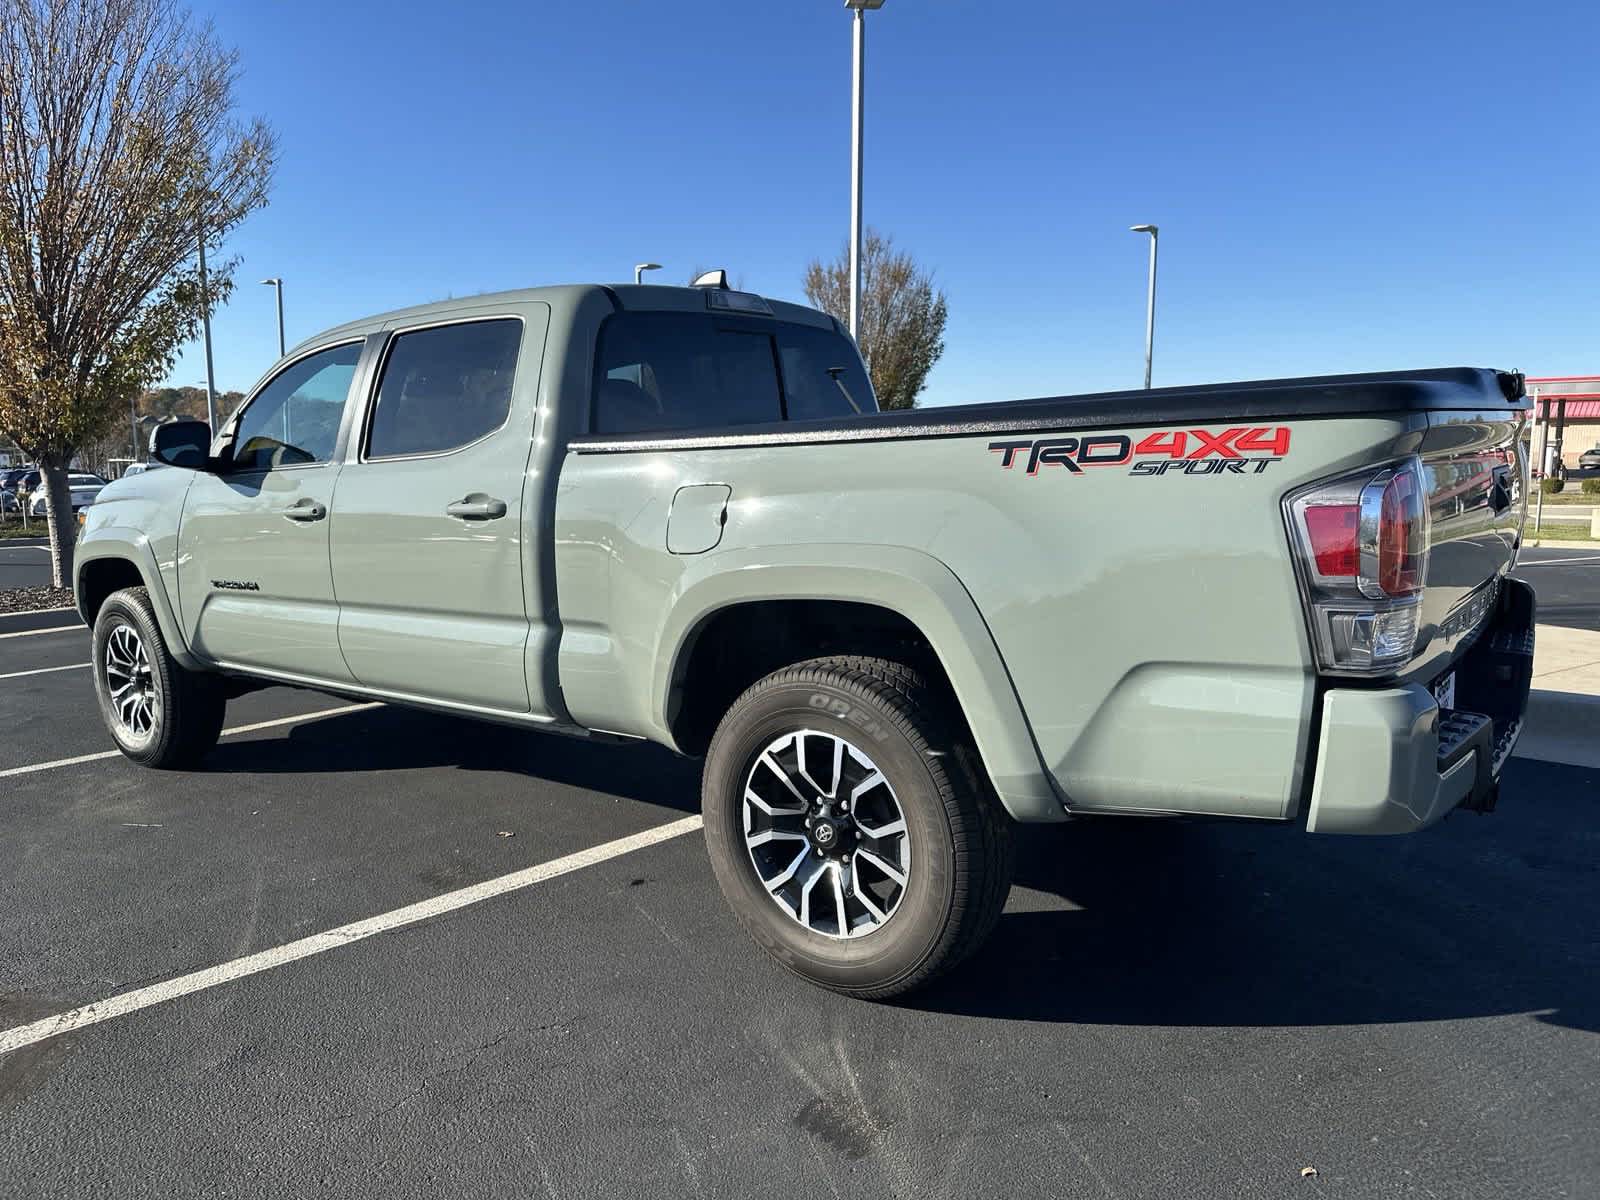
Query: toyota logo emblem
x=824 y=834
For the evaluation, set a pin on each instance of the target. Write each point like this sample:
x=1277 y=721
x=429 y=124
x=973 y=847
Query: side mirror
x=182 y=444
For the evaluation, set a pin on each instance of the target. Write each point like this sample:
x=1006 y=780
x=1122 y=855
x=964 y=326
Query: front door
x=255 y=586
x=428 y=538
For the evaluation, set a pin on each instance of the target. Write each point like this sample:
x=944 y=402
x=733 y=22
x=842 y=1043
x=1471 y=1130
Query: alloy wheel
x=826 y=834
x=130 y=683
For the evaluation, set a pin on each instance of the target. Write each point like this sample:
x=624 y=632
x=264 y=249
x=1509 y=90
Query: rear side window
x=822 y=374
x=683 y=371
x=444 y=388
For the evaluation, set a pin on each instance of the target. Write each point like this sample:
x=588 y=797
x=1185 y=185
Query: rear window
x=822 y=374
x=663 y=371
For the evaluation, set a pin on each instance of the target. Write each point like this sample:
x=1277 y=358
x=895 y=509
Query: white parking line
x=1557 y=562
x=333 y=939
x=45 y=670
x=34 y=768
x=52 y=629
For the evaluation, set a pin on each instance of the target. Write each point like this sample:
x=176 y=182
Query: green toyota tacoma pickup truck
x=676 y=515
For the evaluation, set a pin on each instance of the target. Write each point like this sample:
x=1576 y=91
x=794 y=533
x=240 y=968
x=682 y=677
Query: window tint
x=84 y=480
x=682 y=371
x=295 y=418
x=443 y=388
x=822 y=374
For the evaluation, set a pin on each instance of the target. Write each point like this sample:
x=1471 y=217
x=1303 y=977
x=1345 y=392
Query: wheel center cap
x=826 y=835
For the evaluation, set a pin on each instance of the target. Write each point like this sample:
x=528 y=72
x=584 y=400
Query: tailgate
x=1477 y=498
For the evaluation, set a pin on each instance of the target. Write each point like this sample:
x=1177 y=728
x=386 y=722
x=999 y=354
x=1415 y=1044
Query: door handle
x=305 y=510
x=477 y=507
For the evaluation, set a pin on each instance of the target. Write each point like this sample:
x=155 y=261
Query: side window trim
x=230 y=428
x=391 y=337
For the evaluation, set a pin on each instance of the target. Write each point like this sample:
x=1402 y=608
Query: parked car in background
x=25 y=484
x=8 y=501
x=1589 y=459
x=84 y=489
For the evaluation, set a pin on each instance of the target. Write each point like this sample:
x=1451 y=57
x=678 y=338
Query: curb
x=1561 y=727
x=1560 y=544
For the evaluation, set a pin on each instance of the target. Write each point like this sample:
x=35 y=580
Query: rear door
x=255 y=588
x=428 y=533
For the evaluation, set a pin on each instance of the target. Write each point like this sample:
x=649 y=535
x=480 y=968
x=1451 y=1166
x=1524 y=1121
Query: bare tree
x=902 y=315
x=117 y=147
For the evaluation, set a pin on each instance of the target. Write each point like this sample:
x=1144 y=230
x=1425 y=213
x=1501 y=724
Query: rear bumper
x=1389 y=760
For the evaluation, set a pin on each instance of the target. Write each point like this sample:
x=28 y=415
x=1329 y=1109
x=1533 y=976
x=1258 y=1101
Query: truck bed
x=1441 y=388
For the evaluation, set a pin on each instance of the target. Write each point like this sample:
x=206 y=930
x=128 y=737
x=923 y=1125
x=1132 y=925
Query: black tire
x=186 y=716
x=960 y=838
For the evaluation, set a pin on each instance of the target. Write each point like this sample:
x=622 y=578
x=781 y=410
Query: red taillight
x=1363 y=543
x=1332 y=529
x=1402 y=536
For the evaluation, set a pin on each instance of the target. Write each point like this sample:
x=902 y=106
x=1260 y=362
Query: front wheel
x=850 y=827
x=159 y=714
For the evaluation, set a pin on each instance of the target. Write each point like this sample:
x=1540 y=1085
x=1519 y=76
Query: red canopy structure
x=1558 y=400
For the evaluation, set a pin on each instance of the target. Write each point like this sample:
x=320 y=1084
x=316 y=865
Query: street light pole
x=277 y=285
x=1150 y=300
x=638 y=271
x=857 y=152
x=205 y=322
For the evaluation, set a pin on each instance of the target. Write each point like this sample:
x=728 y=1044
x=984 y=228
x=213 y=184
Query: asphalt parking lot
x=23 y=564
x=1195 y=1010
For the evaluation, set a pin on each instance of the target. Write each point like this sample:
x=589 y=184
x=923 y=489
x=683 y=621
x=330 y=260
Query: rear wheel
x=850 y=828
x=158 y=713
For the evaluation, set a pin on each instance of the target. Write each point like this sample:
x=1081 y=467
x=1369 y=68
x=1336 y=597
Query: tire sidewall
x=122 y=609
x=914 y=931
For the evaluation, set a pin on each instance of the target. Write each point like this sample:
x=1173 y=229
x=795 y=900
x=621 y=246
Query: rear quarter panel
x=1150 y=626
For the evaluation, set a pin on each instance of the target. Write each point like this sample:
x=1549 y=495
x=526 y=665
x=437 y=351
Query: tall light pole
x=1150 y=300
x=277 y=284
x=638 y=272
x=205 y=322
x=857 y=146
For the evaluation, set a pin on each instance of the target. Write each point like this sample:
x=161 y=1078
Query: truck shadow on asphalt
x=399 y=739
x=1165 y=923
x=1234 y=925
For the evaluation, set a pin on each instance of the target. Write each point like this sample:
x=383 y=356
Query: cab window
x=444 y=388
x=683 y=371
x=662 y=371
x=822 y=375
x=294 y=419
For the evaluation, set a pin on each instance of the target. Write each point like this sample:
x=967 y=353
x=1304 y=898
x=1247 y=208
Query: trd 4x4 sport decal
x=1242 y=451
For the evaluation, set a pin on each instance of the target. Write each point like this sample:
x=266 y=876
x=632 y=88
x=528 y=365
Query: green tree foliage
x=117 y=146
x=902 y=315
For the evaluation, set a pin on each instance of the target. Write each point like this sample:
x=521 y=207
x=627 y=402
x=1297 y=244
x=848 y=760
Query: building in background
x=1566 y=414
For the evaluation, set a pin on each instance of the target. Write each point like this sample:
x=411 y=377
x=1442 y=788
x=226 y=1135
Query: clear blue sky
x=1340 y=187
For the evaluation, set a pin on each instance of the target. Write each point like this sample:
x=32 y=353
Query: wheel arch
x=104 y=565
x=762 y=598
